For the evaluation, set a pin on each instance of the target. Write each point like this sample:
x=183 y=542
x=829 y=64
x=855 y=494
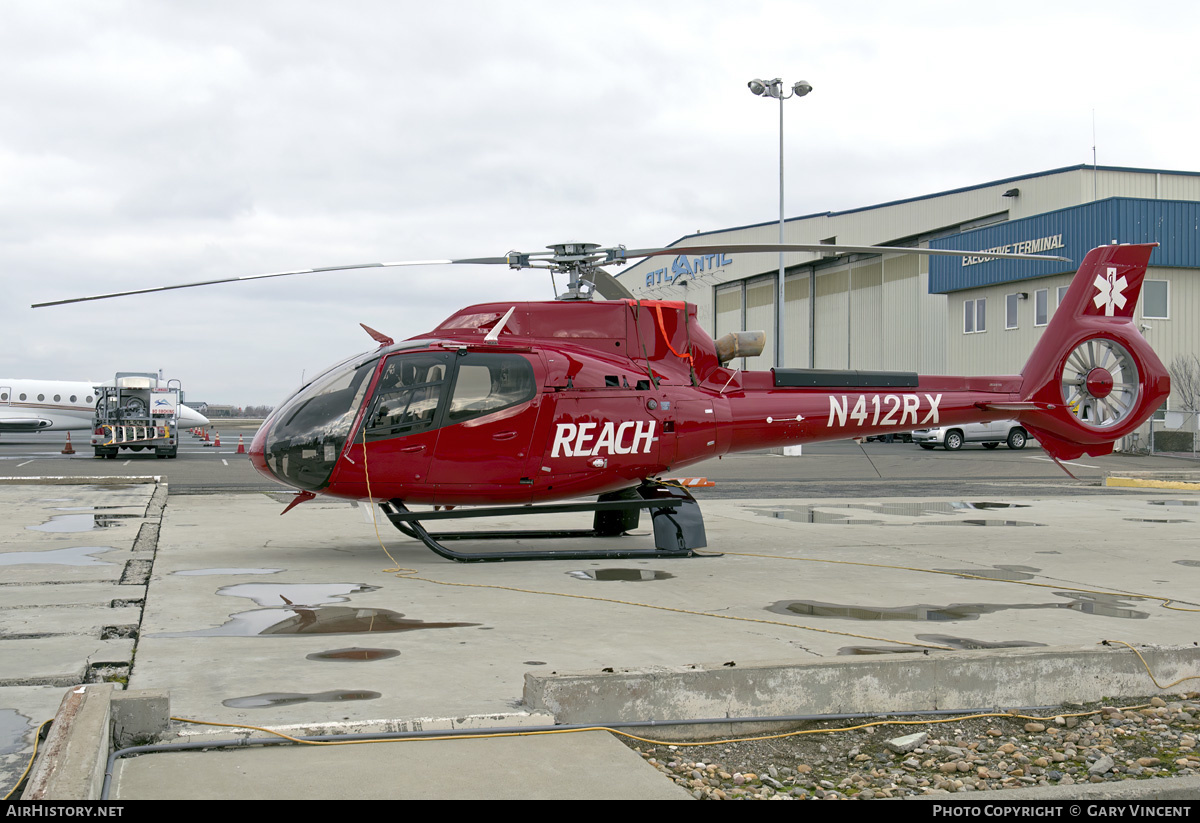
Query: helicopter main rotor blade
x=609 y=287
x=349 y=267
x=831 y=248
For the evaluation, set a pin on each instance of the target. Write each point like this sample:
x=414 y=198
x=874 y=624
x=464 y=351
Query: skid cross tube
x=678 y=526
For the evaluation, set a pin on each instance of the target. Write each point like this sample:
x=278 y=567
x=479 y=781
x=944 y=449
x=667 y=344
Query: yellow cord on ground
x=32 y=758
x=1147 y=667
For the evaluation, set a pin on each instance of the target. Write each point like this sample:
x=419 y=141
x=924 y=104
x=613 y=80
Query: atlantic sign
x=684 y=266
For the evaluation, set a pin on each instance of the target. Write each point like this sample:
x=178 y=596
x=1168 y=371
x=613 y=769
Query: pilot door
x=401 y=426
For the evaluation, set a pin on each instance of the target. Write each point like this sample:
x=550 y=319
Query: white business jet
x=59 y=405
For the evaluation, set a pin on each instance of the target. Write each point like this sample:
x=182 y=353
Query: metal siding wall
x=831 y=319
x=899 y=330
x=795 y=318
x=866 y=315
x=760 y=315
x=728 y=310
x=1180 y=335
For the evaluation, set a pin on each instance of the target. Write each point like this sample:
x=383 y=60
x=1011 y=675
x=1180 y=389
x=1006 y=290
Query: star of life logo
x=1111 y=291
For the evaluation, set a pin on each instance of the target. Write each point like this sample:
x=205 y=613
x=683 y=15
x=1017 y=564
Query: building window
x=1156 y=300
x=975 y=316
x=1011 y=301
x=1041 y=299
x=1062 y=293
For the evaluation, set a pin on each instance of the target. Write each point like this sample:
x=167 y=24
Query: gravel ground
x=1133 y=739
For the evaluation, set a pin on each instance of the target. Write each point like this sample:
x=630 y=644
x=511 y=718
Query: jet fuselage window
x=41 y=397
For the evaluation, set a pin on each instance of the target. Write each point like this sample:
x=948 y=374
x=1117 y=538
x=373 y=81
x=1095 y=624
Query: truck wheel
x=926 y=446
x=954 y=440
x=1017 y=438
x=990 y=445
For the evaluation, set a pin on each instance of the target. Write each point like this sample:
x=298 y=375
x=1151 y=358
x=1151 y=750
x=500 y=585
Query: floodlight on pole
x=774 y=88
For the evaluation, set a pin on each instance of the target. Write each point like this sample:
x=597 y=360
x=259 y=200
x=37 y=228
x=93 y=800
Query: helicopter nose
x=258 y=452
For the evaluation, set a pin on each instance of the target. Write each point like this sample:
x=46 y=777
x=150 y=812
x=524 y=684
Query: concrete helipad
x=307 y=623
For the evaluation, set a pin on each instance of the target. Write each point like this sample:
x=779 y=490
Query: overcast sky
x=146 y=143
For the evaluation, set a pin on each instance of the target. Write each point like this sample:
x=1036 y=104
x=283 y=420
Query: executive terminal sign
x=1038 y=246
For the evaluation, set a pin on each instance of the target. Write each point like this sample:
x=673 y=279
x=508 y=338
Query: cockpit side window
x=487 y=383
x=408 y=395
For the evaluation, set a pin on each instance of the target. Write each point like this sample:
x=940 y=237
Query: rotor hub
x=1099 y=382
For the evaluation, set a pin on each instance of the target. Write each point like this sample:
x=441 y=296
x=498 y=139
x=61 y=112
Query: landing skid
x=675 y=514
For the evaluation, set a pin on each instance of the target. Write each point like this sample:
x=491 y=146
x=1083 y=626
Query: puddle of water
x=1174 y=502
x=964 y=643
x=76 y=556
x=354 y=655
x=1103 y=605
x=1154 y=520
x=291 y=594
x=13 y=728
x=272 y=699
x=319 y=620
x=533 y=663
x=621 y=574
x=203 y=572
x=296 y=608
x=996 y=572
x=821 y=514
x=81 y=522
x=978 y=522
x=1188 y=562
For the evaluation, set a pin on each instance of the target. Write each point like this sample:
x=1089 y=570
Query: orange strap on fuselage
x=658 y=304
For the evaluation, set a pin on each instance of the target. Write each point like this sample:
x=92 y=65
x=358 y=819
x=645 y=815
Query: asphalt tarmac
x=842 y=468
x=315 y=623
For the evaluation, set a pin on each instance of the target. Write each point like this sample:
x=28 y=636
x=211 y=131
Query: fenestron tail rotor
x=1100 y=383
x=580 y=262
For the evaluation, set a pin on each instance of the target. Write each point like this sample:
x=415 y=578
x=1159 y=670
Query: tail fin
x=1092 y=377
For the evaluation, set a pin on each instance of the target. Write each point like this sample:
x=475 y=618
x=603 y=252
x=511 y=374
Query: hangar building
x=946 y=315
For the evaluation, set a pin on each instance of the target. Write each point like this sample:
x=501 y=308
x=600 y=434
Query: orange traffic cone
x=217 y=442
x=241 y=449
x=67 y=448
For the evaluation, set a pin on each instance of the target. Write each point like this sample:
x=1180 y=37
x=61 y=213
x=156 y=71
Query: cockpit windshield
x=308 y=433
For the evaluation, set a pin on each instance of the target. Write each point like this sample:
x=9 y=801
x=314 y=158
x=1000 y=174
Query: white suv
x=990 y=435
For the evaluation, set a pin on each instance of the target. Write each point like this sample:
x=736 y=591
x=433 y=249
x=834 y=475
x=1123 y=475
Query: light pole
x=774 y=88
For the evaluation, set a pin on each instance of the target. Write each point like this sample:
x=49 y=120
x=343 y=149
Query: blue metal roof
x=1070 y=232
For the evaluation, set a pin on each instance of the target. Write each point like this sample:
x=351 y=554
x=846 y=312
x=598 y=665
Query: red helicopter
x=508 y=407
